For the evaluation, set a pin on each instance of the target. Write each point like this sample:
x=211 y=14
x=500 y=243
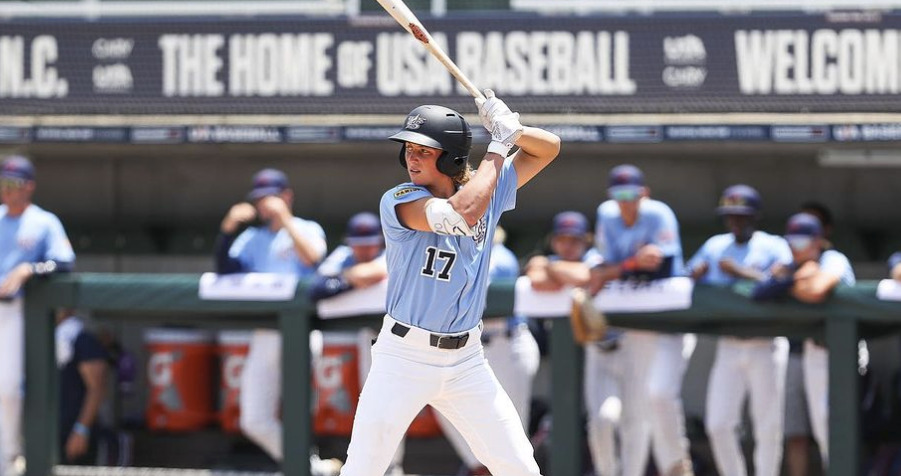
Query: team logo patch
x=413 y=122
x=404 y=191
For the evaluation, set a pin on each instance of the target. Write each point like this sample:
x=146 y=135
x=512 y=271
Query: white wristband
x=499 y=148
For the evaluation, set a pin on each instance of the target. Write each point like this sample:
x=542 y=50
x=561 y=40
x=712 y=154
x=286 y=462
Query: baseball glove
x=587 y=322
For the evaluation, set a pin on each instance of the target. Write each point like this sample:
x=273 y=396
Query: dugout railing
x=851 y=313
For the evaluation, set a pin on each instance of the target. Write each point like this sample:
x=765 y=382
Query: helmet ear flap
x=403 y=156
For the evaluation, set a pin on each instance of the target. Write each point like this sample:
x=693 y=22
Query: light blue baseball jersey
x=761 y=252
x=339 y=260
x=836 y=263
x=439 y=282
x=504 y=265
x=262 y=251
x=656 y=224
x=35 y=235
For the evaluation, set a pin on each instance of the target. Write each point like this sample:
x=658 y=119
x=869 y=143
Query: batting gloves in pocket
x=502 y=123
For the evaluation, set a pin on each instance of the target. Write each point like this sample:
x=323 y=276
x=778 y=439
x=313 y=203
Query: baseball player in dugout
x=894 y=266
x=570 y=263
x=359 y=263
x=262 y=235
x=752 y=367
x=510 y=350
x=439 y=227
x=32 y=242
x=638 y=238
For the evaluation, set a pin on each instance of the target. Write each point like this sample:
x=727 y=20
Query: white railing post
x=439 y=8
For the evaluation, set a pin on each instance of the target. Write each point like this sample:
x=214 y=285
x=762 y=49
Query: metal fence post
x=566 y=401
x=41 y=418
x=296 y=378
x=844 y=432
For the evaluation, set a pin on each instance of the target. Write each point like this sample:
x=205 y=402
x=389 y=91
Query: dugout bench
x=851 y=313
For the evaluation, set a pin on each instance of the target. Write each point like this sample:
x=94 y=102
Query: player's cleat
x=324 y=467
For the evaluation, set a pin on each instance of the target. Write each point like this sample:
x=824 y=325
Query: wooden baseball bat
x=407 y=19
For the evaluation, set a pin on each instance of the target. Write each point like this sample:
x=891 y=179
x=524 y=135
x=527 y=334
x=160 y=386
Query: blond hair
x=464 y=176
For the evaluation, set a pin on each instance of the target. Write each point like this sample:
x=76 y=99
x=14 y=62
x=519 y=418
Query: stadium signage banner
x=635 y=64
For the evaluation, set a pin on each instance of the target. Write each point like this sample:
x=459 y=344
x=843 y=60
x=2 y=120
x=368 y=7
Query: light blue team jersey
x=439 y=282
x=35 y=235
x=761 y=252
x=504 y=265
x=339 y=260
x=836 y=263
x=656 y=224
x=262 y=251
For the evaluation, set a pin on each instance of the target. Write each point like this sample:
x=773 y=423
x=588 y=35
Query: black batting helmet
x=441 y=128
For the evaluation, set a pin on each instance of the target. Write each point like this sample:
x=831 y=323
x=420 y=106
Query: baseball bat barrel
x=407 y=19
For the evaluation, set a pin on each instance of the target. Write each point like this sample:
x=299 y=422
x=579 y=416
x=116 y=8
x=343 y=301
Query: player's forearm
x=366 y=274
x=569 y=272
x=472 y=200
x=94 y=375
x=539 y=144
x=306 y=252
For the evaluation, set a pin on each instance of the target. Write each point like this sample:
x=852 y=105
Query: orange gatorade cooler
x=232 y=350
x=336 y=384
x=180 y=376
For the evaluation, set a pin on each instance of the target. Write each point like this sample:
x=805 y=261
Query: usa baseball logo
x=413 y=122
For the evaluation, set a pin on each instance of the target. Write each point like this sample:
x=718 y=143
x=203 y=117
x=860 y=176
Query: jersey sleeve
x=505 y=193
x=837 y=264
x=388 y=213
x=592 y=258
x=603 y=240
x=316 y=235
x=783 y=251
x=88 y=348
x=241 y=249
x=503 y=263
x=58 y=246
x=666 y=236
x=334 y=263
x=700 y=257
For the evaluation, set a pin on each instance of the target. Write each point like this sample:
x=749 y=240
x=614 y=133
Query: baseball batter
x=744 y=367
x=570 y=264
x=818 y=272
x=638 y=238
x=275 y=241
x=510 y=350
x=32 y=242
x=439 y=227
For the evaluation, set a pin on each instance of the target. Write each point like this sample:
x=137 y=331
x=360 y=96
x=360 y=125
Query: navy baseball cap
x=739 y=200
x=625 y=182
x=17 y=167
x=804 y=224
x=268 y=182
x=570 y=224
x=364 y=229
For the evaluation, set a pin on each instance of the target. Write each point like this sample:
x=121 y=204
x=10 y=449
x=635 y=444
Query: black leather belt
x=435 y=340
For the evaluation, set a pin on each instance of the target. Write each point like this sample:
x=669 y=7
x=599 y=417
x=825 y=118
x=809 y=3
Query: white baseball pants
x=407 y=374
x=261 y=389
x=12 y=369
x=514 y=360
x=754 y=368
x=652 y=401
x=816 y=384
x=603 y=391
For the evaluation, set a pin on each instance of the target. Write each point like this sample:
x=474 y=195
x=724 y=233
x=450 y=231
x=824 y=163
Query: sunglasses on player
x=628 y=194
x=12 y=183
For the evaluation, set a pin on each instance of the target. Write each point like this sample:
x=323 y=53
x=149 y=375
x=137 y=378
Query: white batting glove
x=500 y=121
